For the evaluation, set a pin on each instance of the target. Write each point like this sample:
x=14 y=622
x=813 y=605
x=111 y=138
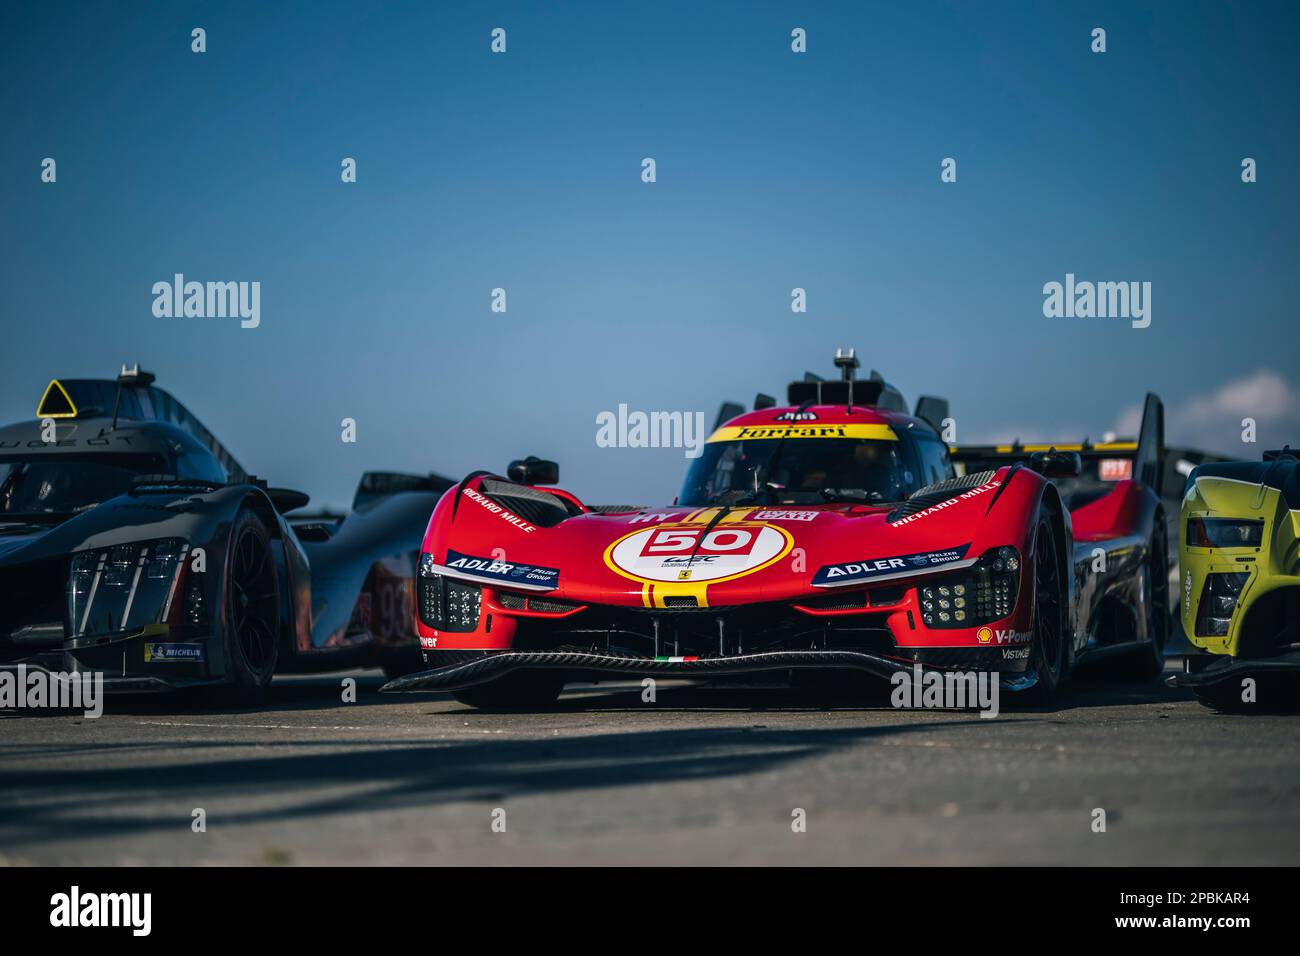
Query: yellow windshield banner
x=802 y=430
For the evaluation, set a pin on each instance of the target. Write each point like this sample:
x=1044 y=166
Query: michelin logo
x=854 y=571
x=155 y=653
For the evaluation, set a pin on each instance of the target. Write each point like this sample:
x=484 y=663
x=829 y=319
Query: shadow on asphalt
x=99 y=801
x=316 y=692
x=286 y=694
x=760 y=699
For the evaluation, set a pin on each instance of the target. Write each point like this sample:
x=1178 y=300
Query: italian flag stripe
x=674 y=660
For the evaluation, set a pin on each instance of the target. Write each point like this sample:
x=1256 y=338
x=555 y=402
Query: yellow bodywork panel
x=1272 y=565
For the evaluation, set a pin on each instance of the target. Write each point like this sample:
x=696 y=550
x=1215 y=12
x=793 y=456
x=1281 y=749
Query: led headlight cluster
x=123 y=587
x=446 y=603
x=1224 y=532
x=980 y=594
x=1218 y=602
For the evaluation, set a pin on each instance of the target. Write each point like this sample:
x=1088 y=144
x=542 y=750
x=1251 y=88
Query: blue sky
x=775 y=170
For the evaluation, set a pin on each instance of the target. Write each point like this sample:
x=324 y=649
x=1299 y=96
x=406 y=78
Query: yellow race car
x=1239 y=567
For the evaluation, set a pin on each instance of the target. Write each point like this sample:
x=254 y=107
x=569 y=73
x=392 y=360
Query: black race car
x=132 y=543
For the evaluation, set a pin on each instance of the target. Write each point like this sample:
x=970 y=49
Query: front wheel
x=522 y=690
x=1050 y=618
x=251 y=609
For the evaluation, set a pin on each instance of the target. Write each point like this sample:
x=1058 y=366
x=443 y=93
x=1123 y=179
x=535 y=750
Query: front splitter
x=493 y=665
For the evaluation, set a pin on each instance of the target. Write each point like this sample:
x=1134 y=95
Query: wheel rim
x=254 y=607
x=1047 y=601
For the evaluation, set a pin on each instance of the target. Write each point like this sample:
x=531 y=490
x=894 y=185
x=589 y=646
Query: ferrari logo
x=684 y=575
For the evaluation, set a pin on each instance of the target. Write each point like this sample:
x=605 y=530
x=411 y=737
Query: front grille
x=886 y=597
x=520 y=602
x=550 y=605
x=703 y=631
x=839 y=602
x=449 y=605
x=682 y=600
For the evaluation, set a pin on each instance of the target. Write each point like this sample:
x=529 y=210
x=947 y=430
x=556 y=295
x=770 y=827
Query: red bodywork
x=783 y=558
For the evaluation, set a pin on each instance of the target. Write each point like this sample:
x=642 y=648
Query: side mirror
x=1056 y=464
x=286 y=499
x=534 y=471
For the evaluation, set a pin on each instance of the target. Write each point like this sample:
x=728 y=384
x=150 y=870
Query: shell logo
x=984 y=635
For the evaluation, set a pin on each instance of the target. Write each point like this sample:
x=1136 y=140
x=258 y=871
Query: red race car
x=835 y=533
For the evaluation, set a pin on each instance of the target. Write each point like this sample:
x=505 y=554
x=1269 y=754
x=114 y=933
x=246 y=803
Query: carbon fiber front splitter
x=1236 y=669
x=128 y=684
x=493 y=665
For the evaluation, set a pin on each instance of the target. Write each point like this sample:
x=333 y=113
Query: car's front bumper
x=131 y=684
x=466 y=669
x=1235 y=668
x=157 y=657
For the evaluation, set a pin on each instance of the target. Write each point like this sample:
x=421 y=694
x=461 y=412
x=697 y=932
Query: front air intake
x=537 y=507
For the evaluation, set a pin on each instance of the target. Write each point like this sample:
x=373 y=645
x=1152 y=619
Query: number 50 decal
x=717 y=541
x=663 y=553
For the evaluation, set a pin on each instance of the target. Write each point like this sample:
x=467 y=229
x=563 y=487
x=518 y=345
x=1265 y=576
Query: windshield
x=808 y=470
x=59 y=484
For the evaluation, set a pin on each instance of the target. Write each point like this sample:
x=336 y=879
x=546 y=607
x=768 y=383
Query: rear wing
x=1141 y=459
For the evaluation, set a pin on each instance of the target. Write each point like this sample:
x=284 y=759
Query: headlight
x=980 y=594
x=426 y=565
x=123 y=587
x=1218 y=602
x=448 y=604
x=1224 y=532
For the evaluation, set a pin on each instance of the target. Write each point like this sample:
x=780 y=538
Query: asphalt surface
x=700 y=776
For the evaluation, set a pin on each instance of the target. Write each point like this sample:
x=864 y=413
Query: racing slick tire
x=522 y=690
x=1050 y=622
x=250 y=610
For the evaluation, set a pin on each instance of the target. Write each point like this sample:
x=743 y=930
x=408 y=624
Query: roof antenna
x=847 y=364
x=128 y=376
